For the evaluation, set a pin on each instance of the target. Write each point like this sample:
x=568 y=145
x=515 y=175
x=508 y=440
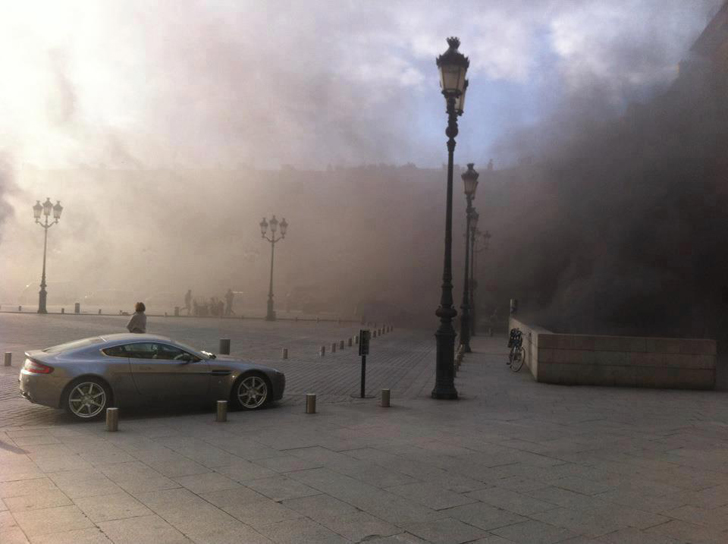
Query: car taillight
x=34 y=367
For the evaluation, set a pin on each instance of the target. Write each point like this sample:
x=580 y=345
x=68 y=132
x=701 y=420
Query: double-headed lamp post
x=453 y=67
x=470 y=184
x=271 y=314
x=45 y=209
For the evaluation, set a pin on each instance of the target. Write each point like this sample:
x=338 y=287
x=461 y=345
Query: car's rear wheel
x=251 y=391
x=87 y=398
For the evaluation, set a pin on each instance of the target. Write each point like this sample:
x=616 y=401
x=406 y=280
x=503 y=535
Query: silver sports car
x=87 y=376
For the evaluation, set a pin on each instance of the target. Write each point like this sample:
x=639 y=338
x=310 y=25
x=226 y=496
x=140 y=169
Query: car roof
x=129 y=337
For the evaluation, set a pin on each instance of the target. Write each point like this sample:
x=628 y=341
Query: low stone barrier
x=629 y=361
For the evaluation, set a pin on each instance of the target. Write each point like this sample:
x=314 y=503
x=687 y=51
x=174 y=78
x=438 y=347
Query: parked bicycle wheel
x=518 y=355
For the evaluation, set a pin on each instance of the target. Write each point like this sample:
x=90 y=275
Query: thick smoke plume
x=618 y=225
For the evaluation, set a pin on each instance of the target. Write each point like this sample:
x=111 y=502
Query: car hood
x=234 y=362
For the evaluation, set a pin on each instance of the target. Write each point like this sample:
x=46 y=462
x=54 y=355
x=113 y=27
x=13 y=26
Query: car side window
x=141 y=351
x=116 y=351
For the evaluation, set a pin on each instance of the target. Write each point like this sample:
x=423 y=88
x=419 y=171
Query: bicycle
x=517 y=354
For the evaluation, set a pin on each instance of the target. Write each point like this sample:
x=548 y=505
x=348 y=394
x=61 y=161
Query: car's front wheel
x=87 y=398
x=251 y=391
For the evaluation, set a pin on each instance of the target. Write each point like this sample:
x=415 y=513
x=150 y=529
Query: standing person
x=188 y=301
x=138 y=321
x=229 y=296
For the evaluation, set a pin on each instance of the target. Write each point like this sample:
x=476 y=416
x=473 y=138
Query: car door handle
x=220 y=372
x=146 y=367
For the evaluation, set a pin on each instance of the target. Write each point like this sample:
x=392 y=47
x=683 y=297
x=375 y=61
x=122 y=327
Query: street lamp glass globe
x=37 y=209
x=57 y=210
x=47 y=207
x=453 y=66
x=263 y=226
x=470 y=180
x=274 y=224
x=460 y=102
x=284 y=227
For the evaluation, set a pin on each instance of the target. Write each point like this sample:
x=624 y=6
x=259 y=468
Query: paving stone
x=688 y=532
x=7 y=521
x=301 y=530
x=430 y=495
x=260 y=513
x=533 y=532
x=142 y=530
x=445 y=531
x=237 y=495
x=359 y=526
x=483 y=516
x=245 y=471
x=20 y=488
x=402 y=538
x=79 y=536
x=84 y=483
x=716 y=518
x=287 y=463
x=206 y=482
x=635 y=536
x=240 y=533
x=42 y=499
x=511 y=501
x=111 y=507
x=280 y=488
x=13 y=535
x=320 y=507
x=51 y=520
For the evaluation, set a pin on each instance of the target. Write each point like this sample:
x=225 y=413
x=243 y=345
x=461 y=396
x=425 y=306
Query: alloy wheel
x=252 y=392
x=87 y=400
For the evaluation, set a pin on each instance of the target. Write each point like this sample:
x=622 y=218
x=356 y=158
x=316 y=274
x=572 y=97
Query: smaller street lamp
x=470 y=183
x=45 y=210
x=274 y=224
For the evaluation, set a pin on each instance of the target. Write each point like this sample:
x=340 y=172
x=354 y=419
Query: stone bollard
x=63 y=310
x=296 y=319
x=385 y=398
x=20 y=308
x=221 y=416
x=322 y=351
x=224 y=346
x=374 y=333
x=99 y=311
x=8 y=361
x=285 y=353
x=310 y=403
x=165 y=314
x=176 y=311
x=341 y=345
x=333 y=347
x=112 y=419
x=77 y=308
x=351 y=342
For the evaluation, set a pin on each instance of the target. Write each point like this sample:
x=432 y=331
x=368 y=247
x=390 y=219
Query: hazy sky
x=144 y=84
x=189 y=83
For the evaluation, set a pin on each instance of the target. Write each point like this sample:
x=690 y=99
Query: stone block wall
x=578 y=359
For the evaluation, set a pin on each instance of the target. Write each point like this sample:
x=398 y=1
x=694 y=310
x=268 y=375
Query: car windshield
x=74 y=345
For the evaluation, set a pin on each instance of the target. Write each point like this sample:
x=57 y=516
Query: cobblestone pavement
x=512 y=462
x=400 y=361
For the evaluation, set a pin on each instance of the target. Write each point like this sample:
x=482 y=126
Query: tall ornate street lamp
x=453 y=67
x=470 y=184
x=45 y=209
x=271 y=315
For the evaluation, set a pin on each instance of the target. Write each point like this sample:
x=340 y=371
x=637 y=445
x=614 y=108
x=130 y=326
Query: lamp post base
x=445 y=393
x=270 y=316
x=42 y=301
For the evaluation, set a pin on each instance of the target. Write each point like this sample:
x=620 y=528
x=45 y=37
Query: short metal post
x=333 y=347
x=322 y=351
x=224 y=346
x=99 y=311
x=351 y=342
x=385 y=398
x=77 y=308
x=20 y=308
x=112 y=419
x=176 y=311
x=8 y=361
x=221 y=411
x=341 y=345
x=63 y=310
x=310 y=403
x=285 y=353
